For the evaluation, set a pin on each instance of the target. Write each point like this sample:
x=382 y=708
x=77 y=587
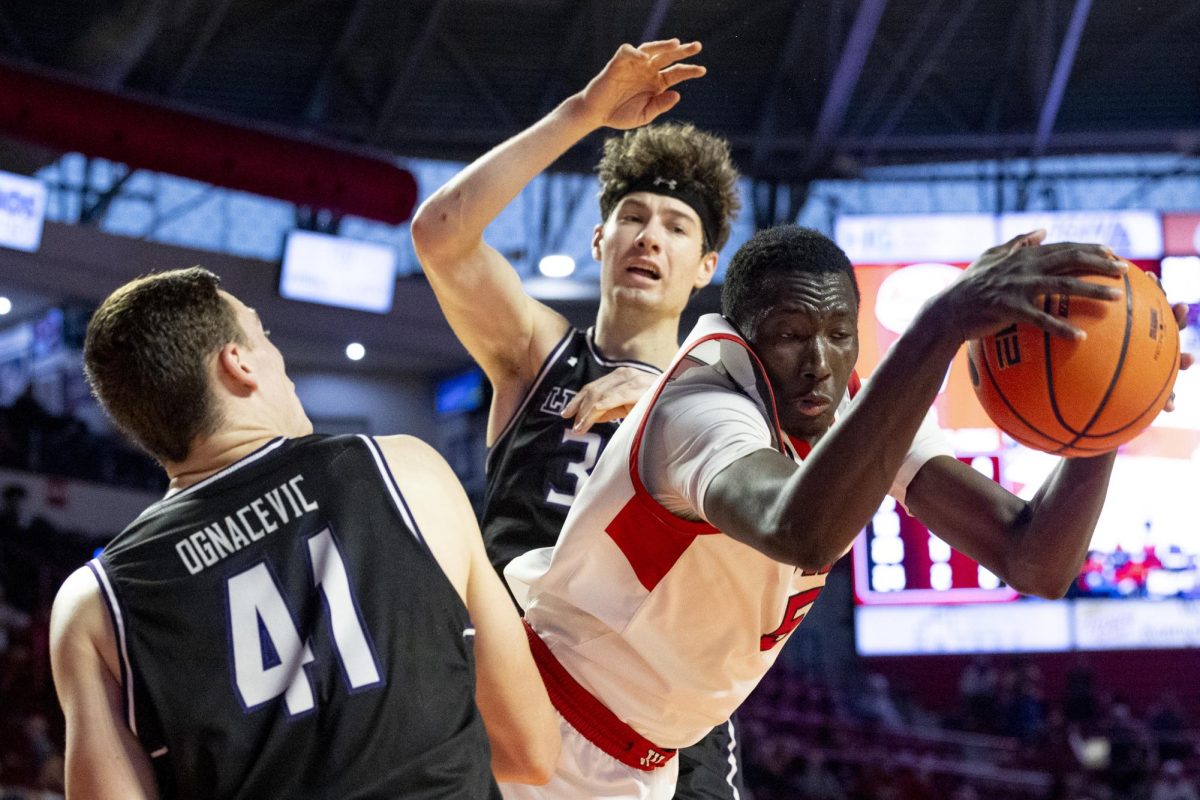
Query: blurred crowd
x=1003 y=739
x=33 y=439
x=34 y=559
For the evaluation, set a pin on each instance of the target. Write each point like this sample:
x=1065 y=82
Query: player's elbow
x=1037 y=579
x=1035 y=584
x=806 y=546
x=434 y=230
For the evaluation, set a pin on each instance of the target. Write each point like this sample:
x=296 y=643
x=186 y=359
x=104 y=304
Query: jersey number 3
x=268 y=653
x=577 y=471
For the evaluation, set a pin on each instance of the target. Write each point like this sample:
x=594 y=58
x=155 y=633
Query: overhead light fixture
x=5 y=305
x=355 y=351
x=556 y=265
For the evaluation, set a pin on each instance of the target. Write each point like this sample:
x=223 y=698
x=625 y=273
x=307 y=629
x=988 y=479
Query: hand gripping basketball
x=1079 y=397
x=1007 y=283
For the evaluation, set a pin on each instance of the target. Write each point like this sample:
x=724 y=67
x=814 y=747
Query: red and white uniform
x=666 y=621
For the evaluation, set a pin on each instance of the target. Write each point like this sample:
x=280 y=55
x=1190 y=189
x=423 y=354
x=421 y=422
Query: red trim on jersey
x=590 y=717
x=802 y=447
x=634 y=473
x=650 y=548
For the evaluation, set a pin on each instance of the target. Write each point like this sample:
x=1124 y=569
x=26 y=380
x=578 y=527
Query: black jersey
x=284 y=632
x=538 y=463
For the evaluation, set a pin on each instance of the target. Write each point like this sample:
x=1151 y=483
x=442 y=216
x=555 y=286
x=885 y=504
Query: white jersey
x=667 y=621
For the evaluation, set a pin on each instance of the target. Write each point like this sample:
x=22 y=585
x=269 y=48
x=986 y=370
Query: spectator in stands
x=1168 y=726
x=12 y=620
x=1024 y=707
x=816 y=781
x=876 y=703
x=977 y=689
x=1129 y=749
x=11 y=514
x=1172 y=784
x=1079 y=700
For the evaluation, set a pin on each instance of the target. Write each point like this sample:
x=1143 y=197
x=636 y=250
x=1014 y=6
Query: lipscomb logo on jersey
x=556 y=400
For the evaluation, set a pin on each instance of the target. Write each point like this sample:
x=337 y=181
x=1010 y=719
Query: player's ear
x=234 y=370
x=708 y=268
x=597 y=235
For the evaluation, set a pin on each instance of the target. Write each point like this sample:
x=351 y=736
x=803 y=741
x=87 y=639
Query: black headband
x=672 y=187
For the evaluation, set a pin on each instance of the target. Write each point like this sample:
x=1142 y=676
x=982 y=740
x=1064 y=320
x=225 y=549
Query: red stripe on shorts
x=590 y=717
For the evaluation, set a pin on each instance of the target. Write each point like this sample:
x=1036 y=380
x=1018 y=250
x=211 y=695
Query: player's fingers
x=586 y=418
x=1086 y=246
x=682 y=72
x=1080 y=258
x=671 y=50
x=1181 y=314
x=1055 y=326
x=1186 y=360
x=572 y=408
x=660 y=103
x=629 y=51
x=1061 y=284
x=659 y=45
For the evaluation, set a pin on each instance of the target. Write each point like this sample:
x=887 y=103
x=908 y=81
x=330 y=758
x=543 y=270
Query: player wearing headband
x=668 y=194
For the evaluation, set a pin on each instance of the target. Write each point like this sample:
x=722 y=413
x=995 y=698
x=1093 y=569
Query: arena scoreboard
x=1139 y=586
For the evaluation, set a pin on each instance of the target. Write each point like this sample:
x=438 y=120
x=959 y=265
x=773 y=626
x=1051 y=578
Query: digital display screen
x=1140 y=582
x=333 y=271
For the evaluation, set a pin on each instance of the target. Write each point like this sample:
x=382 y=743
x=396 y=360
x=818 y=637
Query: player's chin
x=803 y=426
x=640 y=296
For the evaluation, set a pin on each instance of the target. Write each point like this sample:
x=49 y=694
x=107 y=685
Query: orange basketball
x=1082 y=398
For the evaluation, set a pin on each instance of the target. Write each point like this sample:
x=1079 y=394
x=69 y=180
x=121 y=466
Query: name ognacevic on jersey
x=224 y=537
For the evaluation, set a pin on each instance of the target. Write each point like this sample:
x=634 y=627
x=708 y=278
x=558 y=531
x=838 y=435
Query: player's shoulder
x=403 y=448
x=414 y=464
x=77 y=615
x=704 y=391
x=79 y=589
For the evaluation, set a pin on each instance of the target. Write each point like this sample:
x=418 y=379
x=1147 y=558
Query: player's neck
x=637 y=337
x=210 y=455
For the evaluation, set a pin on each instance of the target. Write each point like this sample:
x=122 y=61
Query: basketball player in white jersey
x=668 y=193
x=707 y=528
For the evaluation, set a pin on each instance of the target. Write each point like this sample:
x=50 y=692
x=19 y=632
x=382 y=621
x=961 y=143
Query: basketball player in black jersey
x=668 y=195
x=301 y=616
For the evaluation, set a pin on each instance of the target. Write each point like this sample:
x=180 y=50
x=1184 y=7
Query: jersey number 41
x=269 y=655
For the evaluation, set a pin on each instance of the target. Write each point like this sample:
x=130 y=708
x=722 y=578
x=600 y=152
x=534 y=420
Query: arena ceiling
x=803 y=89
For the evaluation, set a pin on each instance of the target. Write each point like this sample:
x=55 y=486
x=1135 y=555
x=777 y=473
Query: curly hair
x=699 y=161
x=146 y=358
x=784 y=248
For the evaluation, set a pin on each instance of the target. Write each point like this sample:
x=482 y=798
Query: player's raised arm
x=505 y=330
x=104 y=759
x=521 y=724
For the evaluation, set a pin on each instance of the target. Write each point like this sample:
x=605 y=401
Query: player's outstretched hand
x=1006 y=284
x=1185 y=359
x=607 y=398
x=635 y=85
